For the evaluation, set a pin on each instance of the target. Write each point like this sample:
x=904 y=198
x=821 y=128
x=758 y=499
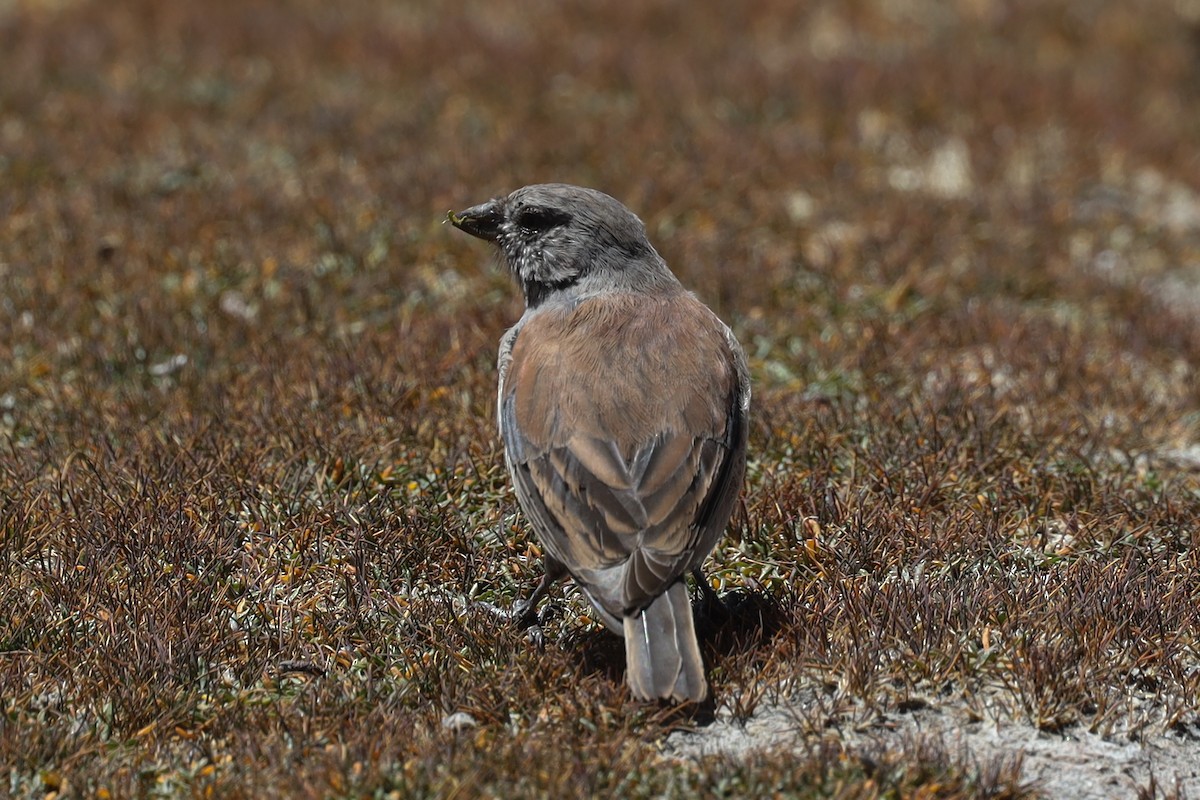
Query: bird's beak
x=482 y=220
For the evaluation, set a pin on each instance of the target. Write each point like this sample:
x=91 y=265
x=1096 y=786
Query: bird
x=623 y=407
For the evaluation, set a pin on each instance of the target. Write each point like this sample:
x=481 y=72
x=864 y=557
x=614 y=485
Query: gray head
x=566 y=239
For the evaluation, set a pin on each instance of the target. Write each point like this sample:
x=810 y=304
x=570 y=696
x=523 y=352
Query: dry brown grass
x=249 y=479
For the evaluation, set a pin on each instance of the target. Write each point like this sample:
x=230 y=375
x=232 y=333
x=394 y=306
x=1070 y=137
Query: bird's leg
x=712 y=600
x=524 y=613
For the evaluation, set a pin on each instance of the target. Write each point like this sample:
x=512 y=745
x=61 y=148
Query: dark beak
x=482 y=220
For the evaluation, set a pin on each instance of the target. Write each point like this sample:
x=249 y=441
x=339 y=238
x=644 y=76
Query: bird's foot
x=517 y=614
x=522 y=614
x=712 y=607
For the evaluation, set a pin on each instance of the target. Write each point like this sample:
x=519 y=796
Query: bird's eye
x=540 y=220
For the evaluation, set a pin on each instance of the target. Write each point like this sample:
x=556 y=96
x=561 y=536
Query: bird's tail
x=662 y=656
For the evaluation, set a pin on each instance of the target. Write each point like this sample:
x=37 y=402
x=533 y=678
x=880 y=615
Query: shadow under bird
x=623 y=407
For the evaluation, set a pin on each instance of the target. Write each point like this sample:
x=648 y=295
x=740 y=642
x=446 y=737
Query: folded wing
x=628 y=461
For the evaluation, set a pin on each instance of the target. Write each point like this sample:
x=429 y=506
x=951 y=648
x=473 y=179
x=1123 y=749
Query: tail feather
x=661 y=652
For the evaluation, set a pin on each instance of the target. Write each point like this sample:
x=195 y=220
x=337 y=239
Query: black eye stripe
x=539 y=220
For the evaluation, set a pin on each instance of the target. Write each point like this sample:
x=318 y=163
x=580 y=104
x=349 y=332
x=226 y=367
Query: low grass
x=250 y=485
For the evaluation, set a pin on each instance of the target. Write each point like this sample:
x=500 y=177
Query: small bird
x=623 y=407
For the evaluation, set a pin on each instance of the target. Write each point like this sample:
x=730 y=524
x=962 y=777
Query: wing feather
x=650 y=500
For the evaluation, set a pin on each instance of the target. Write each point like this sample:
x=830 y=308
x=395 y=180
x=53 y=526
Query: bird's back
x=624 y=423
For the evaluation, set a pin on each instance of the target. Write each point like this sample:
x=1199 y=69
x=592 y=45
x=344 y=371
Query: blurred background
x=247 y=373
x=263 y=168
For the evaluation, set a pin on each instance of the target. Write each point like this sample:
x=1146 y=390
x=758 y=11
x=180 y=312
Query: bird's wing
x=624 y=428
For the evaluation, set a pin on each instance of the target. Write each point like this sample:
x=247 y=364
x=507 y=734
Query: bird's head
x=557 y=237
